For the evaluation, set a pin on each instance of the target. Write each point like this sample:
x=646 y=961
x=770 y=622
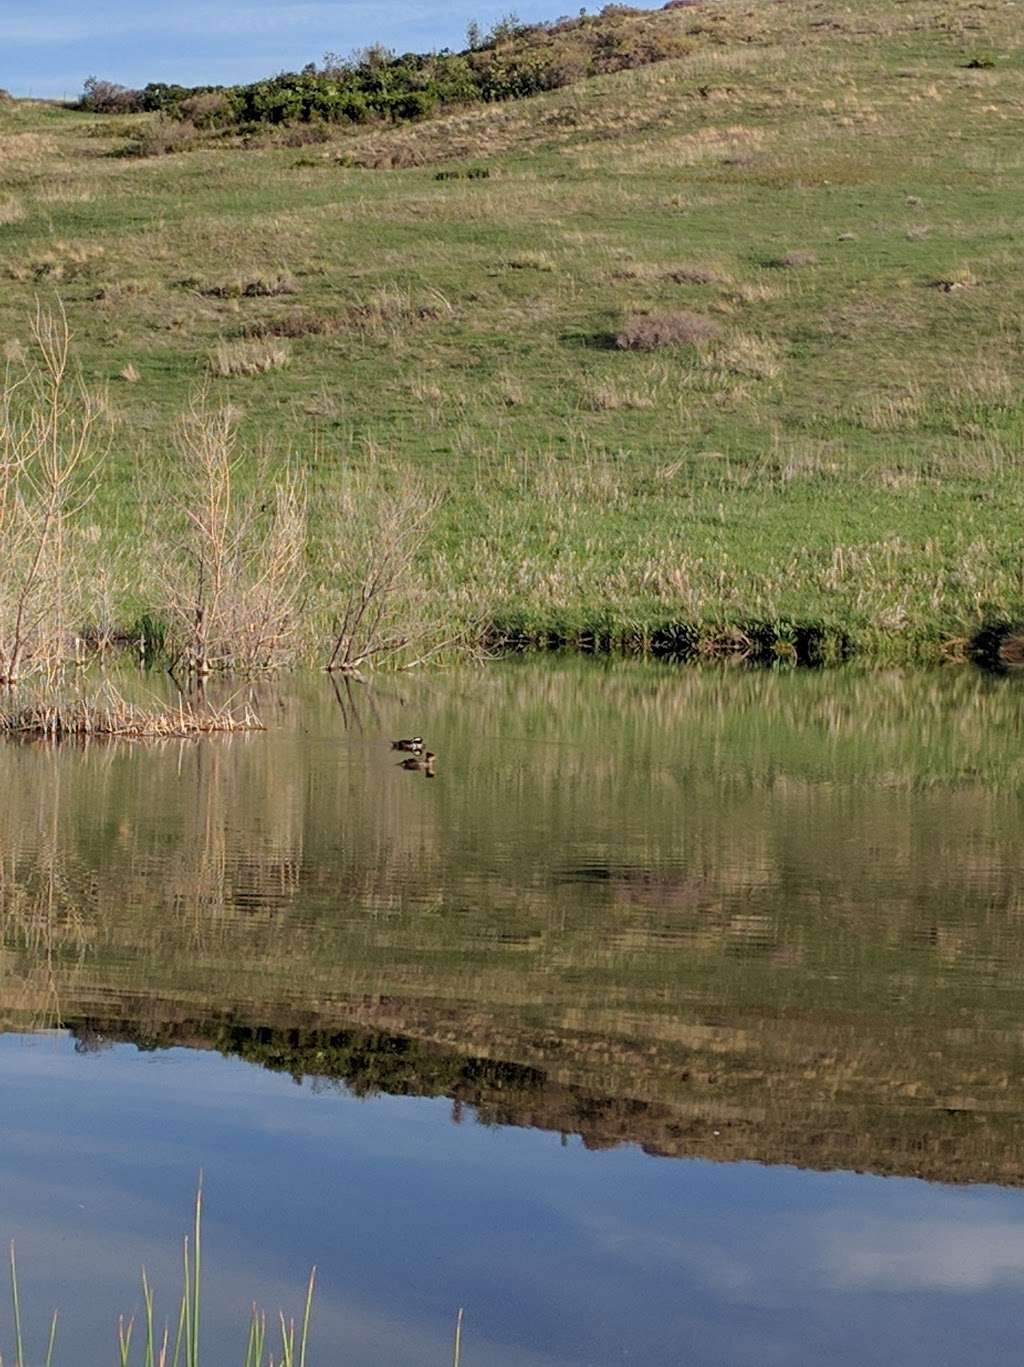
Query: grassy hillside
x=820 y=202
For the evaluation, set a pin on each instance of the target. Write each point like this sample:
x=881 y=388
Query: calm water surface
x=679 y=1018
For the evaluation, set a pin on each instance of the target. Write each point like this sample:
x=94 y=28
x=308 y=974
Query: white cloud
x=920 y=1239
x=955 y=1253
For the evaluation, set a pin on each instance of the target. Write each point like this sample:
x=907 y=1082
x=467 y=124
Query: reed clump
x=114 y=717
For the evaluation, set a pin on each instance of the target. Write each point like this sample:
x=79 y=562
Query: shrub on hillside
x=208 y=109
x=162 y=138
x=512 y=61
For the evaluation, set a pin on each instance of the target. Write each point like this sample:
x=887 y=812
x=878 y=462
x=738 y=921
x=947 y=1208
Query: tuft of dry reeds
x=248 y=357
x=110 y=716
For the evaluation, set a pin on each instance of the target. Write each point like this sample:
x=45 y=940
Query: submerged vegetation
x=714 y=355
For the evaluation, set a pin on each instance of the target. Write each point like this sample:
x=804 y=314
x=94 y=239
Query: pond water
x=679 y=1018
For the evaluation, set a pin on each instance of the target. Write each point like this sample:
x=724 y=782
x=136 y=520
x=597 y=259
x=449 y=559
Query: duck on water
x=420 y=764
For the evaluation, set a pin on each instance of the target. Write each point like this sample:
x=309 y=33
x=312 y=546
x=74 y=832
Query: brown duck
x=420 y=764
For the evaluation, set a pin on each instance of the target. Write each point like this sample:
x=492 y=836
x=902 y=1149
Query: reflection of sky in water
x=559 y=1255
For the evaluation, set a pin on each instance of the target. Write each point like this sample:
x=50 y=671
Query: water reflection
x=737 y=901
x=560 y=1255
x=725 y=916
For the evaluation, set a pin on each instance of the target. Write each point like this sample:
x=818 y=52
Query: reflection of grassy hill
x=718 y=1097
x=786 y=909
x=830 y=190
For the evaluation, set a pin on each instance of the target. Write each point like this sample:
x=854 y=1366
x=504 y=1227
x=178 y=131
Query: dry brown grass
x=697 y=273
x=295 y=325
x=794 y=260
x=249 y=357
x=742 y=354
x=605 y=396
x=649 y=331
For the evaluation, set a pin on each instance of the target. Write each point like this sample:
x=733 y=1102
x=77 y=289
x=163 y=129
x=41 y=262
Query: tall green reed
x=19 y=1347
x=294 y=1345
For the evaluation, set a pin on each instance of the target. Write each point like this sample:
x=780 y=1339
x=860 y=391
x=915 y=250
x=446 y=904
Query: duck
x=414 y=745
x=420 y=764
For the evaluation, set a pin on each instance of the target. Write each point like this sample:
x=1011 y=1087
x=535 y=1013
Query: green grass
x=845 y=453
x=291 y=1348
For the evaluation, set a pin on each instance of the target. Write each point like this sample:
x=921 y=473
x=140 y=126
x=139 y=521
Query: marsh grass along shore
x=721 y=355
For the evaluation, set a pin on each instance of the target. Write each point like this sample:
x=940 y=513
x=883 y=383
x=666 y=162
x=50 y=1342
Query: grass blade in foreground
x=457 y=1348
x=187 y=1334
x=19 y=1350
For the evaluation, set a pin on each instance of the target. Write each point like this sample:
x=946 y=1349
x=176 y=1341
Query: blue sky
x=48 y=48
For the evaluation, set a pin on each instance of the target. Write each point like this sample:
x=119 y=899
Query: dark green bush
x=510 y=62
